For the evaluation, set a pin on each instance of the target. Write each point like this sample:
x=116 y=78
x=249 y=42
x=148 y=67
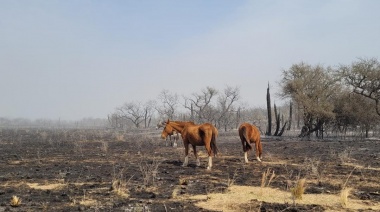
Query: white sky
x=72 y=59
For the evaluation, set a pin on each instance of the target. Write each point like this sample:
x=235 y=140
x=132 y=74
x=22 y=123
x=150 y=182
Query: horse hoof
x=208 y=168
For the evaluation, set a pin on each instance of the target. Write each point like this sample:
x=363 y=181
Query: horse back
x=197 y=133
x=249 y=132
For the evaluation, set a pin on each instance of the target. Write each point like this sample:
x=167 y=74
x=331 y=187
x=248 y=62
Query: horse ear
x=167 y=121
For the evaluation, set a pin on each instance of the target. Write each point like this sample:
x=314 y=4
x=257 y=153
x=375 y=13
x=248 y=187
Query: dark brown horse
x=196 y=135
x=250 y=134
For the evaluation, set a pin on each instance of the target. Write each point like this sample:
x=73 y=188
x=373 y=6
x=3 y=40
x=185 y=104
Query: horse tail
x=246 y=138
x=260 y=147
x=213 y=141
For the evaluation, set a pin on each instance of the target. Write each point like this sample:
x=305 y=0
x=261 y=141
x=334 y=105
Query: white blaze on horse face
x=209 y=162
x=246 y=157
x=186 y=161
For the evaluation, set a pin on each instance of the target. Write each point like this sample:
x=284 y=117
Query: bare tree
x=363 y=77
x=148 y=112
x=201 y=105
x=168 y=104
x=132 y=111
x=226 y=109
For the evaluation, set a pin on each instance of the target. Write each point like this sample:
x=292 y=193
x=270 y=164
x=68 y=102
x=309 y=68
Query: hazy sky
x=72 y=59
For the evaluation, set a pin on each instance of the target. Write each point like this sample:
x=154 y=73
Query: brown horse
x=196 y=135
x=173 y=134
x=250 y=134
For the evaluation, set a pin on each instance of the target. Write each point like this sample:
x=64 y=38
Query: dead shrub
x=298 y=190
x=119 y=184
x=265 y=181
x=231 y=181
x=15 y=201
x=345 y=155
x=316 y=168
x=149 y=171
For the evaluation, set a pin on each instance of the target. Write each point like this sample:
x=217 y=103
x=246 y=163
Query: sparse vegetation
x=149 y=171
x=142 y=173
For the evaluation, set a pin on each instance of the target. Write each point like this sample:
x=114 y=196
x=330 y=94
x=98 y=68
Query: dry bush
x=344 y=197
x=104 y=147
x=265 y=181
x=316 y=168
x=231 y=181
x=149 y=171
x=15 y=201
x=299 y=189
x=119 y=184
x=345 y=155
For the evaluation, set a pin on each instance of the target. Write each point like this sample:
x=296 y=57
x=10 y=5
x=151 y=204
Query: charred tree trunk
x=269 y=130
x=282 y=129
x=290 y=115
x=278 y=121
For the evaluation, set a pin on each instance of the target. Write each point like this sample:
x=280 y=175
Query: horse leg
x=196 y=155
x=258 y=152
x=186 y=144
x=175 y=140
x=246 y=148
x=209 y=151
x=209 y=162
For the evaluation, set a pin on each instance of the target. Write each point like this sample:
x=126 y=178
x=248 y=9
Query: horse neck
x=178 y=126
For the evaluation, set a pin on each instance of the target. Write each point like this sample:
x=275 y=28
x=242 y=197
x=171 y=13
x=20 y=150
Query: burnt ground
x=104 y=170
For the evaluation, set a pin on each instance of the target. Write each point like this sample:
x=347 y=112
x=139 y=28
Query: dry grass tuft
x=183 y=181
x=119 y=137
x=299 y=189
x=15 y=201
x=344 y=197
x=119 y=184
x=265 y=182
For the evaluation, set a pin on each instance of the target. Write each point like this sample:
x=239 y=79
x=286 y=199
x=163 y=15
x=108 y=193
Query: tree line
x=334 y=99
x=319 y=99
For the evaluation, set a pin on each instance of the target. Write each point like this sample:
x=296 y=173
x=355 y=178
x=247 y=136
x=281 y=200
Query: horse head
x=168 y=130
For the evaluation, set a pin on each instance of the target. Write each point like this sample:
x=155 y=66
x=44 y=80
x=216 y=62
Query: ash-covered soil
x=105 y=170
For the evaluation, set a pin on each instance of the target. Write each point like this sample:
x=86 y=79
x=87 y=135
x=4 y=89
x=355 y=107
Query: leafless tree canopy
x=168 y=104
